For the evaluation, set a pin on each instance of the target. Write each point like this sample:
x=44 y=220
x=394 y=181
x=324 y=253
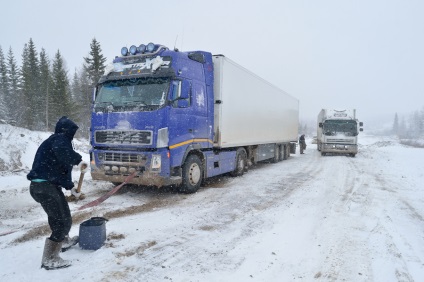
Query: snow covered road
x=308 y=218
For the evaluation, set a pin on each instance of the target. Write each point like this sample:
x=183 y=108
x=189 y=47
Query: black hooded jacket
x=55 y=156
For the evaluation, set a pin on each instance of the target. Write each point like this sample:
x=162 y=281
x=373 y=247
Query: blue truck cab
x=152 y=114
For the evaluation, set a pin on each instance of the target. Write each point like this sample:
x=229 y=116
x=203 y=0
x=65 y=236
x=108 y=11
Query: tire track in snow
x=233 y=213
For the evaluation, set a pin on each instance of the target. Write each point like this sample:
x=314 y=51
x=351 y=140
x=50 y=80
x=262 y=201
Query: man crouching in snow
x=50 y=172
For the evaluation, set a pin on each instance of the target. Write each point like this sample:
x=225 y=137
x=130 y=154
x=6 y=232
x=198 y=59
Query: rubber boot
x=51 y=259
x=68 y=242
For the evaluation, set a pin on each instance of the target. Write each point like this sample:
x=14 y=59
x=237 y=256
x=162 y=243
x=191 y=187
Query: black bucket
x=92 y=233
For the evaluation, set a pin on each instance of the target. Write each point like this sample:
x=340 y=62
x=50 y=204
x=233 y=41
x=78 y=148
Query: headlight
x=163 y=139
x=156 y=162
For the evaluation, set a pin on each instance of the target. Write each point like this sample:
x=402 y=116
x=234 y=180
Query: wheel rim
x=194 y=174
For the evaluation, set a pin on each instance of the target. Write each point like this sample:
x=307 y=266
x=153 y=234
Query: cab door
x=199 y=103
x=182 y=121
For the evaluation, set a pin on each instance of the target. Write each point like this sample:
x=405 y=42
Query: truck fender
x=193 y=149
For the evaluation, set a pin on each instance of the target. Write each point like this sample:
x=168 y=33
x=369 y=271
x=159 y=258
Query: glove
x=75 y=193
x=83 y=166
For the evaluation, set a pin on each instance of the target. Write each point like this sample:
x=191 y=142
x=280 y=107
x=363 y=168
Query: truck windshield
x=141 y=94
x=337 y=127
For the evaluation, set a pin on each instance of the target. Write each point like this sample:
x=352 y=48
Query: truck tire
x=192 y=172
x=241 y=163
x=286 y=152
x=276 y=157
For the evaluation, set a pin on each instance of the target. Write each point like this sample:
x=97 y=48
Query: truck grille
x=340 y=140
x=120 y=157
x=128 y=137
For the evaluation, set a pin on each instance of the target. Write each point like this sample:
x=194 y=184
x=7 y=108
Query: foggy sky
x=339 y=54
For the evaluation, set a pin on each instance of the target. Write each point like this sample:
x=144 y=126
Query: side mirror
x=361 y=129
x=93 y=98
x=361 y=124
x=320 y=124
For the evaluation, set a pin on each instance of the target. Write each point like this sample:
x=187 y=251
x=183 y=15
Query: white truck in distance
x=337 y=132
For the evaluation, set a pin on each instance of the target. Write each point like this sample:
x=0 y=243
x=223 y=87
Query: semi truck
x=337 y=132
x=177 y=118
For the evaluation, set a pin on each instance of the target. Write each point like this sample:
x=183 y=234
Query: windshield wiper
x=104 y=105
x=139 y=103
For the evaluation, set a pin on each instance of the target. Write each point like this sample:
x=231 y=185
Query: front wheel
x=192 y=171
x=241 y=163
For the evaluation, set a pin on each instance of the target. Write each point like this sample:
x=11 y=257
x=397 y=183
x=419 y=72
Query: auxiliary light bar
x=141 y=49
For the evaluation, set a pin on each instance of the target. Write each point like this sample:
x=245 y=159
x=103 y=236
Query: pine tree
x=395 y=129
x=30 y=87
x=81 y=93
x=59 y=95
x=93 y=69
x=402 y=130
x=14 y=99
x=416 y=124
x=4 y=89
x=422 y=122
x=45 y=81
x=94 y=63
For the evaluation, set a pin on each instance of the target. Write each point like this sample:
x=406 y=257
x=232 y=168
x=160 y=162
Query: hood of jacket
x=66 y=126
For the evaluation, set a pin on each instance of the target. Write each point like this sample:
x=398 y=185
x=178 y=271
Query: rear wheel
x=286 y=152
x=276 y=157
x=282 y=152
x=241 y=163
x=192 y=171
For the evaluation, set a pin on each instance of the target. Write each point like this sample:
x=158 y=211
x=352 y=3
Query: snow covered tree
x=395 y=129
x=13 y=73
x=416 y=124
x=81 y=95
x=4 y=89
x=94 y=63
x=30 y=107
x=422 y=122
x=59 y=94
x=402 y=130
x=45 y=81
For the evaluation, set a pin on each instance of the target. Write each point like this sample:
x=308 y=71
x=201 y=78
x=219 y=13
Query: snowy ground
x=309 y=218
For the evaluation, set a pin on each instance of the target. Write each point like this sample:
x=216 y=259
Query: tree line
x=35 y=94
x=411 y=127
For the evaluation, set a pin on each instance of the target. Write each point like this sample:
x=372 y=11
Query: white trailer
x=337 y=132
x=250 y=111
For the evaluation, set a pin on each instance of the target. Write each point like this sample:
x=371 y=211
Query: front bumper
x=141 y=178
x=339 y=148
x=152 y=167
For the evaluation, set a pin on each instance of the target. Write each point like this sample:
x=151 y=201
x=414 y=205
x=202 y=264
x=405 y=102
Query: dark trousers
x=302 y=146
x=53 y=201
